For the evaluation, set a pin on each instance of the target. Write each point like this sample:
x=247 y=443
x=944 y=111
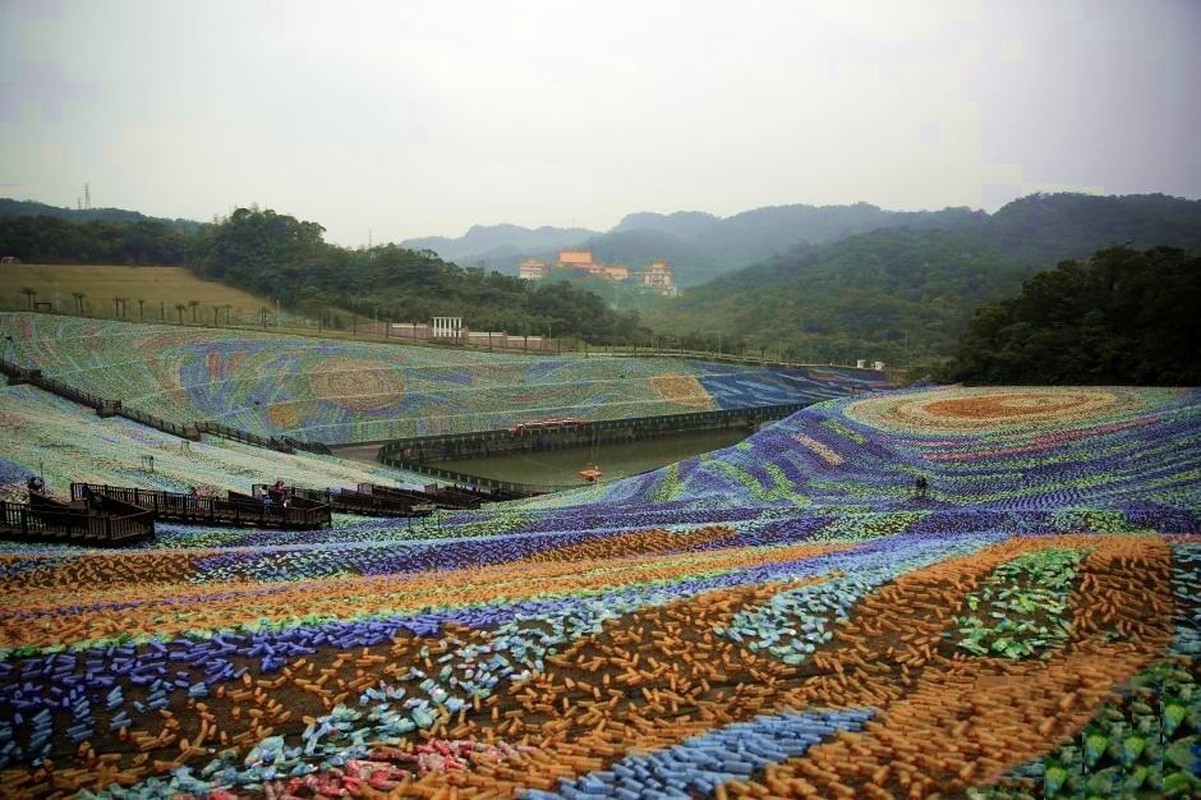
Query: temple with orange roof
x=658 y=276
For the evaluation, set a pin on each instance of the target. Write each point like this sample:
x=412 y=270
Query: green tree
x=1122 y=317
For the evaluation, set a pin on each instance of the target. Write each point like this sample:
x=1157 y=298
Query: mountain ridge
x=904 y=294
x=699 y=245
x=11 y=207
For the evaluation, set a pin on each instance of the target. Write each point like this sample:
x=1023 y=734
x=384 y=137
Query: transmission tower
x=87 y=195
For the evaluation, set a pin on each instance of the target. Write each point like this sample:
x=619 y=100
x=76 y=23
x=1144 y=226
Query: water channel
x=562 y=467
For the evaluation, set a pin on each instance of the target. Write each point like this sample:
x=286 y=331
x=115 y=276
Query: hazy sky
x=422 y=117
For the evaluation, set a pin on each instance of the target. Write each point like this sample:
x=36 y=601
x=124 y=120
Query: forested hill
x=698 y=246
x=1041 y=229
x=288 y=260
x=500 y=246
x=703 y=252
x=10 y=208
x=38 y=232
x=1121 y=317
x=900 y=294
x=905 y=295
x=281 y=257
x=1035 y=230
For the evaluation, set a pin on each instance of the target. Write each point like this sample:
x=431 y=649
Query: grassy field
x=148 y=293
x=152 y=294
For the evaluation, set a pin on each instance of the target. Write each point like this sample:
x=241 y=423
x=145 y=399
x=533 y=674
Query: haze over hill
x=10 y=208
x=1035 y=230
x=838 y=283
x=698 y=245
x=483 y=244
x=904 y=294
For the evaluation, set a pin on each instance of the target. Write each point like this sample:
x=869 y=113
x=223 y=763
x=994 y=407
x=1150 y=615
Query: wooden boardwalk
x=44 y=519
x=364 y=503
x=101 y=514
x=236 y=510
x=369 y=499
x=373 y=500
x=446 y=496
x=439 y=497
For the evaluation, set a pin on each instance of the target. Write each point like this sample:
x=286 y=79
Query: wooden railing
x=235 y=510
x=351 y=501
x=246 y=437
x=498 y=489
x=190 y=432
x=44 y=519
x=465 y=496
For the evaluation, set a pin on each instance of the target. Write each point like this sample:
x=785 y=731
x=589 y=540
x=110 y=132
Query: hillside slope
x=905 y=295
x=1035 y=458
x=1032 y=231
x=338 y=392
x=66 y=443
x=781 y=608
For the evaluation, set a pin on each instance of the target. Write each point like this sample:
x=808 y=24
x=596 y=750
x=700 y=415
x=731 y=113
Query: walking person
x=920 y=485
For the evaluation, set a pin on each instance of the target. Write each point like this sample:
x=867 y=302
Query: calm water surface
x=614 y=460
